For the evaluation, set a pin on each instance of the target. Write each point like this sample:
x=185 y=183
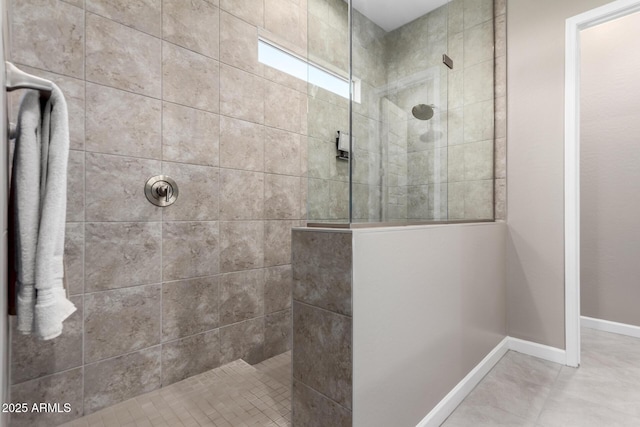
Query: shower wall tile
x=244 y=340
x=455 y=199
x=143 y=15
x=501 y=77
x=239 y=44
x=478 y=121
x=478 y=161
x=455 y=167
x=115 y=188
x=283 y=107
x=193 y=25
x=277 y=333
x=477 y=11
x=120 y=122
x=478 y=43
x=501 y=158
x=38 y=41
x=282 y=152
x=287 y=20
x=501 y=117
x=281 y=196
x=241 y=144
x=122 y=57
x=251 y=11
x=322 y=351
x=190 y=79
x=136 y=373
x=64 y=387
x=241 y=94
x=478 y=199
x=199 y=192
x=241 y=245
x=190 y=356
x=120 y=321
x=33 y=358
x=75 y=186
x=241 y=194
x=277 y=241
x=277 y=288
x=478 y=82
x=190 y=135
x=322 y=270
x=315 y=410
x=74 y=258
x=190 y=249
x=500 y=194
x=190 y=307
x=123 y=254
x=241 y=296
x=501 y=36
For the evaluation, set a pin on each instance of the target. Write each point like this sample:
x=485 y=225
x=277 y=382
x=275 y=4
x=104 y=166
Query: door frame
x=574 y=25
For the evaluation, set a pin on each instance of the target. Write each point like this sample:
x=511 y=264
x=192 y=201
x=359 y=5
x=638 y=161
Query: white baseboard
x=552 y=354
x=608 y=326
x=451 y=401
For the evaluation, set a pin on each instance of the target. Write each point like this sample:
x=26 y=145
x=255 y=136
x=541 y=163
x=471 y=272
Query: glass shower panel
x=328 y=112
x=400 y=126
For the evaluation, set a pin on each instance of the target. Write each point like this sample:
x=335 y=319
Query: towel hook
x=18 y=79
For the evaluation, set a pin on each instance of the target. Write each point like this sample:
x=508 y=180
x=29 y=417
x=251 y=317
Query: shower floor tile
x=233 y=395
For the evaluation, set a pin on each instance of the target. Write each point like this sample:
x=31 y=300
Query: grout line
x=84 y=210
x=162 y=166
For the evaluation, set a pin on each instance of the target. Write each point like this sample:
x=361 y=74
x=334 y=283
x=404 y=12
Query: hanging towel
x=39 y=184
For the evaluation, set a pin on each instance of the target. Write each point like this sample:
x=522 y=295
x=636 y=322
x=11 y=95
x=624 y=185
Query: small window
x=295 y=66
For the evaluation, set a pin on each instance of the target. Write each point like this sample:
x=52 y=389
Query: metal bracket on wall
x=447 y=61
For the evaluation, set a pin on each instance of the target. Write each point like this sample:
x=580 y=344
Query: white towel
x=40 y=177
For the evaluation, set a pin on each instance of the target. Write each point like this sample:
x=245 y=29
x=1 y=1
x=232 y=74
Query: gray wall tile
x=312 y=409
x=199 y=192
x=115 y=188
x=251 y=11
x=33 y=358
x=283 y=152
x=190 y=356
x=64 y=387
x=322 y=269
x=241 y=296
x=190 y=307
x=53 y=45
x=122 y=57
x=75 y=186
x=277 y=333
x=120 y=122
x=277 y=288
x=241 y=245
x=283 y=107
x=74 y=258
x=190 y=249
x=189 y=78
x=281 y=197
x=143 y=15
x=241 y=144
x=120 y=321
x=193 y=24
x=241 y=94
x=136 y=373
x=241 y=194
x=122 y=254
x=244 y=340
x=190 y=135
x=239 y=44
x=277 y=242
x=322 y=352
x=287 y=20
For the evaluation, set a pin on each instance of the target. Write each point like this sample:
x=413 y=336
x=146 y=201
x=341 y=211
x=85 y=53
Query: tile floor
x=233 y=395
x=525 y=391
x=519 y=391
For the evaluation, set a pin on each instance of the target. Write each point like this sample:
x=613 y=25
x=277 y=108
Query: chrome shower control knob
x=161 y=190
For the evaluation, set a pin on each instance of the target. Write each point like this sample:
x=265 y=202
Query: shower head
x=422 y=111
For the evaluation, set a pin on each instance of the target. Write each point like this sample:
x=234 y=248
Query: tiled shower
x=176 y=88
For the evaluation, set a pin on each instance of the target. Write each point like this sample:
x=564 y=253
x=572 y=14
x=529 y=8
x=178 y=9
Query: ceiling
x=392 y=14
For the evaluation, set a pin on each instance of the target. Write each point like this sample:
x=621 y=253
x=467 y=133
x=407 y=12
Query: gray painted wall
x=610 y=177
x=428 y=306
x=535 y=195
